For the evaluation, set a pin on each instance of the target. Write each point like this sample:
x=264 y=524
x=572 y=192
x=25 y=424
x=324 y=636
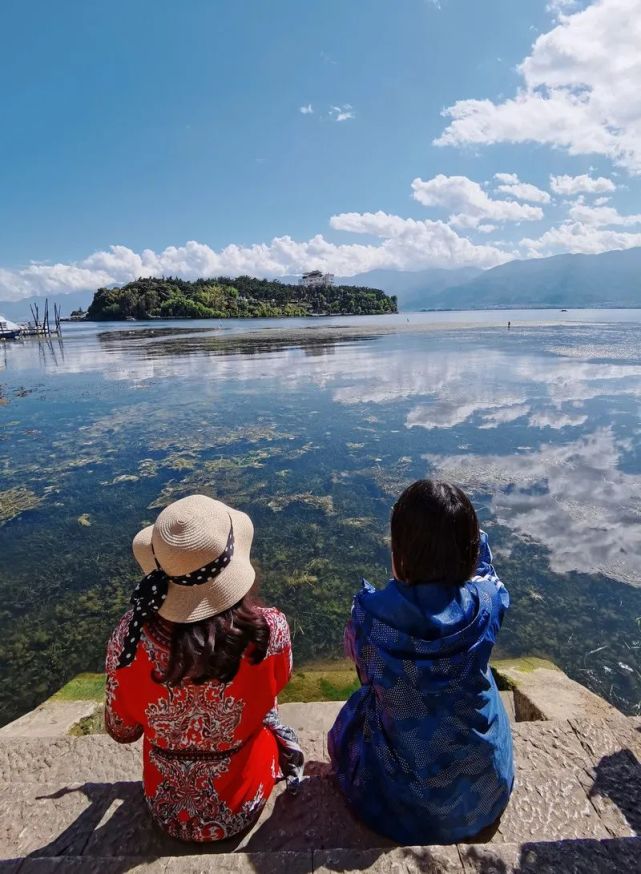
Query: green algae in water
x=15 y=501
x=316 y=449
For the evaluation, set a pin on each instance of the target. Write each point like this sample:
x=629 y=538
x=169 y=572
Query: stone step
x=321 y=715
x=578 y=785
x=615 y=856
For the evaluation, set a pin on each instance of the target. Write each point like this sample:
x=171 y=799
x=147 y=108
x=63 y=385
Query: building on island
x=316 y=279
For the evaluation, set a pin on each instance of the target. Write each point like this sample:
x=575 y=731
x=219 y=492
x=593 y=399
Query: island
x=239 y=298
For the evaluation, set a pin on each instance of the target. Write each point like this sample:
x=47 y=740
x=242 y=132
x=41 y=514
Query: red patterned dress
x=210 y=763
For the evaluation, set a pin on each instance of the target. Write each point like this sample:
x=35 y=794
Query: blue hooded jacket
x=423 y=750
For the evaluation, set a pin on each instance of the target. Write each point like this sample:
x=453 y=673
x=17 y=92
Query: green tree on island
x=225 y=298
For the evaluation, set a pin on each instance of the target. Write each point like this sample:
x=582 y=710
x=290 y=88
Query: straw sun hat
x=187 y=536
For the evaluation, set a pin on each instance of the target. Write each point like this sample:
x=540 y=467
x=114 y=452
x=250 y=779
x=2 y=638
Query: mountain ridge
x=576 y=281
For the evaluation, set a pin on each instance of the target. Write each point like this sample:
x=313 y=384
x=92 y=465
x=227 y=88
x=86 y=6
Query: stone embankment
x=74 y=804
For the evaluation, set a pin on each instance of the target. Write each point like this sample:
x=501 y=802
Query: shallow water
x=314 y=430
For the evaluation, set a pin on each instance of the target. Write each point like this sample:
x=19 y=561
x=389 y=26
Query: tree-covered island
x=225 y=298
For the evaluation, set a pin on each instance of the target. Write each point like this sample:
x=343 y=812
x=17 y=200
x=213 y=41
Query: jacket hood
x=430 y=620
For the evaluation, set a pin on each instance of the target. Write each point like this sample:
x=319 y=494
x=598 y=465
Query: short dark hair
x=435 y=534
x=212 y=648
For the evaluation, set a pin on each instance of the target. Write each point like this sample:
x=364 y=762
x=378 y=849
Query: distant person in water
x=509 y=325
x=195 y=666
x=423 y=750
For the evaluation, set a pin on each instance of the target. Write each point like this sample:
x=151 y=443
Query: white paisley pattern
x=118 y=728
x=116 y=642
x=195 y=716
x=279 y=638
x=186 y=804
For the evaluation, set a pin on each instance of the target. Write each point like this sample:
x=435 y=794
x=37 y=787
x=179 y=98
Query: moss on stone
x=332 y=681
x=83 y=687
x=503 y=670
x=94 y=724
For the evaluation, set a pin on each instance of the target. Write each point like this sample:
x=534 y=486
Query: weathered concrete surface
x=401 y=860
x=95 y=758
x=76 y=804
x=618 y=856
x=51 y=719
x=508 y=703
x=231 y=863
x=313 y=716
x=542 y=691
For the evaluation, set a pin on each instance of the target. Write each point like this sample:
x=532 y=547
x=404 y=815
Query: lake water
x=314 y=429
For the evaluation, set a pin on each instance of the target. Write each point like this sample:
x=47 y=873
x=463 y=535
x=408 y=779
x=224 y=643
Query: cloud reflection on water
x=572 y=498
x=584 y=508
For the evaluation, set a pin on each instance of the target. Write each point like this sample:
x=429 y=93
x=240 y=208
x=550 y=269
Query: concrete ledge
x=51 y=719
x=542 y=691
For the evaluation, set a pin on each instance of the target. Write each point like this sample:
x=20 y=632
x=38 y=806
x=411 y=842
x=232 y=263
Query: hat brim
x=193 y=603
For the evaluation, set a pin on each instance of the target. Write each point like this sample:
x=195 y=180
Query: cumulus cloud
x=511 y=184
x=468 y=204
x=404 y=244
x=601 y=215
x=580 y=90
x=584 y=184
x=308 y=109
x=578 y=237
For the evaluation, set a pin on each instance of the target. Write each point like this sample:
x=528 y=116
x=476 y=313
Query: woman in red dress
x=195 y=666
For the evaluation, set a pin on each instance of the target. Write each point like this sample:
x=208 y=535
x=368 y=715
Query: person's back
x=195 y=667
x=423 y=750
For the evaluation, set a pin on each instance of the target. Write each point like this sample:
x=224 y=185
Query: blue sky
x=146 y=125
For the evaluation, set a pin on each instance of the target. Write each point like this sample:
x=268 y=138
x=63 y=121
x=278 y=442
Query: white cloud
x=571 y=185
x=580 y=90
x=601 y=216
x=578 y=237
x=308 y=109
x=562 y=7
x=468 y=204
x=342 y=113
x=511 y=184
x=404 y=244
x=409 y=242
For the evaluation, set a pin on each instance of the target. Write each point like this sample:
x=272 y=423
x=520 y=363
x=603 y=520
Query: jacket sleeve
x=119 y=722
x=485 y=570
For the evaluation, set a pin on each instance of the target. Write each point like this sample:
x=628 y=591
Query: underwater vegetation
x=15 y=501
x=316 y=451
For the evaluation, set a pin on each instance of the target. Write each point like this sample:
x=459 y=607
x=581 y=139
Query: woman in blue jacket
x=423 y=750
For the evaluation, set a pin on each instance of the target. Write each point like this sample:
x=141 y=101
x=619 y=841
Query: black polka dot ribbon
x=151 y=592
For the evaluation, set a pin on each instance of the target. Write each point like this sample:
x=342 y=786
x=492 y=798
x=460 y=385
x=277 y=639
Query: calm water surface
x=314 y=431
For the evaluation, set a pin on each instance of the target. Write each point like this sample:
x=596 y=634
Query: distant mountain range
x=611 y=279
x=414 y=289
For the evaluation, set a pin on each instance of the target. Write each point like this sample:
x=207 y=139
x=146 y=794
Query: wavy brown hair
x=212 y=648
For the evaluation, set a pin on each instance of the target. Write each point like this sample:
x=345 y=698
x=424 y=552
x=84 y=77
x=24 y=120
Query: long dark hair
x=435 y=534
x=212 y=648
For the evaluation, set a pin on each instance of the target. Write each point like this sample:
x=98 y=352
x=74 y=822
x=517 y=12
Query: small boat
x=564 y=311
x=9 y=330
